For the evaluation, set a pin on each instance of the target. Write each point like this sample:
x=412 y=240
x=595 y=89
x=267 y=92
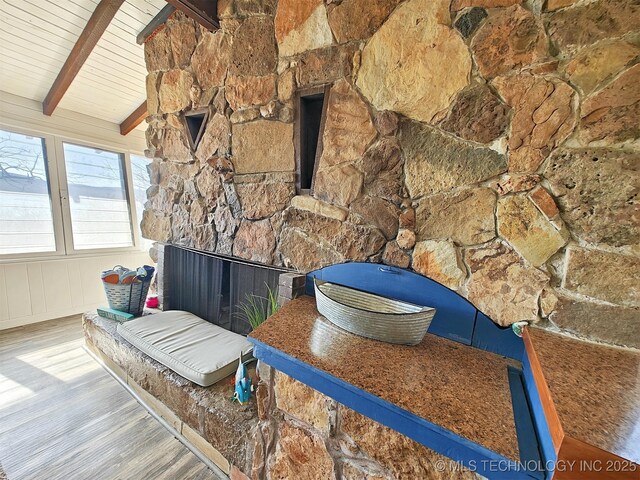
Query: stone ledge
x=219 y=429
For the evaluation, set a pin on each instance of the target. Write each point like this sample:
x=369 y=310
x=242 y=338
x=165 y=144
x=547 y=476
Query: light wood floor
x=62 y=416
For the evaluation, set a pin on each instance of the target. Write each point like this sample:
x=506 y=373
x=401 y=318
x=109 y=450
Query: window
x=61 y=197
x=309 y=125
x=98 y=200
x=26 y=219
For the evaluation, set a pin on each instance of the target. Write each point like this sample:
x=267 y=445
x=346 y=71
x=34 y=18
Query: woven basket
x=127 y=298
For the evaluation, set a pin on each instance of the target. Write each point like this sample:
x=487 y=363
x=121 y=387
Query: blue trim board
x=490 y=337
x=547 y=449
x=527 y=437
x=453 y=446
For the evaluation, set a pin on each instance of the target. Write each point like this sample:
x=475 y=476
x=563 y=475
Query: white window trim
x=58 y=196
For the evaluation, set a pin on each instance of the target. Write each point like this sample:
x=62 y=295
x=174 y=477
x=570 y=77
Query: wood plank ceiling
x=36 y=38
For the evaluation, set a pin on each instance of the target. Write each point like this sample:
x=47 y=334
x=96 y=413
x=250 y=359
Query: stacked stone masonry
x=493 y=145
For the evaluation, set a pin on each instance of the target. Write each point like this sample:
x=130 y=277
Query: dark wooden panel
x=580 y=461
x=135 y=119
x=97 y=24
x=205 y=12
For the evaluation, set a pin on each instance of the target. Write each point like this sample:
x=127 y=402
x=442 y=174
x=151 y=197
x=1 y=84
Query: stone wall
x=305 y=435
x=492 y=145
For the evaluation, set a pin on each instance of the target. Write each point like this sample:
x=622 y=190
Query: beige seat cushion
x=194 y=348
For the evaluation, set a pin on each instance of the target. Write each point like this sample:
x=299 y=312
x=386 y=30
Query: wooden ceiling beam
x=205 y=12
x=97 y=24
x=156 y=22
x=135 y=119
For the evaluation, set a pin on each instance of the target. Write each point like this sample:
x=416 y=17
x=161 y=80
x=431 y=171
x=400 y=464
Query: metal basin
x=372 y=316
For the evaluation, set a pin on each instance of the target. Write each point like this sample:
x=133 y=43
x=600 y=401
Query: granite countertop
x=463 y=389
x=595 y=389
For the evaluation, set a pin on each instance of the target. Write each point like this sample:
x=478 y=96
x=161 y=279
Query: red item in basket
x=152 y=302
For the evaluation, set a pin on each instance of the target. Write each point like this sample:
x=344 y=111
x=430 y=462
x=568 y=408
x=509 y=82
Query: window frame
x=299 y=95
x=58 y=197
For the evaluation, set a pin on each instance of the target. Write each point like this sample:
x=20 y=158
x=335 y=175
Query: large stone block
x=508 y=39
x=403 y=457
x=261 y=200
x=253 y=50
x=542 y=118
x=339 y=185
x=152 y=86
x=174 y=90
x=584 y=24
x=597 y=321
x=255 y=241
x=325 y=65
x=301 y=25
x=603 y=275
x=263 y=146
x=348 y=128
x=215 y=138
x=593 y=188
x=467 y=217
x=440 y=261
x=379 y=213
x=156 y=226
x=348 y=22
x=183 y=40
x=612 y=114
x=435 y=162
x=248 y=91
x=157 y=51
x=306 y=252
x=528 y=230
x=477 y=115
x=392 y=63
x=306 y=202
x=382 y=169
x=502 y=285
x=301 y=455
x=302 y=402
x=211 y=58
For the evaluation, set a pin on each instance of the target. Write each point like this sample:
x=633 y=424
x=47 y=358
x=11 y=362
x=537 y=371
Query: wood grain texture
x=63 y=416
x=205 y=12
x=135 y=119
x=96 y=26
x=580 y=461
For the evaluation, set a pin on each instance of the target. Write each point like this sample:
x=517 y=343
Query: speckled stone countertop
x=596 y=391
x=463 y=389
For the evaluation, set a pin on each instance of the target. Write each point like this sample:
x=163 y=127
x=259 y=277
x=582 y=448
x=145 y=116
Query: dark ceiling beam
x=135 y=119
x=157 y=21
x=97 y=24
x=205 y=12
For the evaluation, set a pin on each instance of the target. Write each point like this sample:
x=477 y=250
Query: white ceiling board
x=37 y=36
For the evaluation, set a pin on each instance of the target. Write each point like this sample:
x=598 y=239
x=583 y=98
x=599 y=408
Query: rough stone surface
x=391 y=63
x=261 y=200
x=175 y=147
x=508 y=39
x=477 y=115
x=592 y=66
x=613 y=113
x=542 y=118
x=253 y=51
x=406 y=238
x=606 y=276
x=394 y=256
x=403 y=457
x=440 y=261
x=349 y=23
x=544 y=202
x=255 y=241
x=466 y=217
x=340 y=185
x=502 y=286
x=557 y=4
x=324 y=65
x=528 y=231
x=248 y=91
x=435 y=162
x=386 y=122
x=468 y=22
x=215 y=139
x=156 y=226
x=356 y=242
x=460 y=4
x=174 y=90
x=263 y=146
x=379 y=213
x=606 y=323
x=306 y=252
x=301 y=25
x=300 y=454
x=211 y=59
x=516 y=183
x=152 y=87
x=306 y=202
x=302 y=402
x=382 y=169
x=157 y=51
x=348 y=129
x=183 y=41
x=596 y=20
x=597 y=191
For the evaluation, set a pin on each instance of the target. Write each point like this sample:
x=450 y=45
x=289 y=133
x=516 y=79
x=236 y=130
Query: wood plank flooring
x=62 y=416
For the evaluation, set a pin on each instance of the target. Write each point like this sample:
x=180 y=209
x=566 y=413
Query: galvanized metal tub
x=372 y=316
